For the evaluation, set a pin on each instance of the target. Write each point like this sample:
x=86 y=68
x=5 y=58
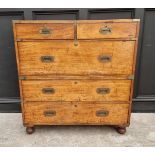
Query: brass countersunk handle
x=49 y=113
x=105 y=58
x=102 y=113
x=47 y=58
x=105 y=30
x=48 y=90
x=45 y=30
x=103 y=90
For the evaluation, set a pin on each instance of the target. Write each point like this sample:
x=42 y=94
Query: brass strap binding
x=131 y=77
x=75 y=34
x=22 y=77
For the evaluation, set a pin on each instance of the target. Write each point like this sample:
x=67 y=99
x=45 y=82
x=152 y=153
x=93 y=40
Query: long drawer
x=76 y=90
x=48 y=113
x=88 y=58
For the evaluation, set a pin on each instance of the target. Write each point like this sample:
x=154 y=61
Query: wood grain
x=118 y=30
x=77 y=21
x=76 y=72
x=58 y=31
x=76 y=60
x=75 y=113
x=76 y=90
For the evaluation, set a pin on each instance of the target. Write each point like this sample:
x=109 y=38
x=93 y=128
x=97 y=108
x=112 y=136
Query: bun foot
x=30 y=130
x=121 y=130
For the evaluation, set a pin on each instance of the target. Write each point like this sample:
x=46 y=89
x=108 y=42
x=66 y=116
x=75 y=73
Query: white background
x=77 y=4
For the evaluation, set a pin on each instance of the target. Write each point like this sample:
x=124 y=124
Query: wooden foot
x=30 y=130
x=121 y=130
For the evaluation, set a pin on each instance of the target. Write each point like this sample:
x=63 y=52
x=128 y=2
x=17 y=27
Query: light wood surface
x=117 y=30
x=76 y=90
x=57 y=31
x=75 y=113
x=76 y=60
x=76 y=70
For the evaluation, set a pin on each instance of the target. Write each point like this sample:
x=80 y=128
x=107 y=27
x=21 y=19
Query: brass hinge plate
x=18 y=39
x=131 y=77
x=136 y=20
x=22 y=77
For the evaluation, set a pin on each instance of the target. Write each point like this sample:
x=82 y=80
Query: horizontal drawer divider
x=80 y=102
x=74 y=77
x=99 y=39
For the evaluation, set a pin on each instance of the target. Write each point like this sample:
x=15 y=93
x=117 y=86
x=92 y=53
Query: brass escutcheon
x=103 y=90
x=47 y=59
x=102 y=113
x=48 y=90
x=49 y=113
x=105 y=30
x=45 y=30
x=105 y=58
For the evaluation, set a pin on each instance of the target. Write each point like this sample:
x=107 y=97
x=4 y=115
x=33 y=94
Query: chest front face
x=76 y=72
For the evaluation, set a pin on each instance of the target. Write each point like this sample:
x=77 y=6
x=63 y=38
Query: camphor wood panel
x=57 y=31
x=122 y=30
x=75 y=113
x=76 y=60
x=88 y=72
x=76 y=90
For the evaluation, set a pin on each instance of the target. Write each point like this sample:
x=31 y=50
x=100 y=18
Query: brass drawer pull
x=105 y=30
x=50 y=113
x=47 y=59
x=104 y=58
x=103 y=90
x=102 y=113
x=48 y=91
x=45 y=30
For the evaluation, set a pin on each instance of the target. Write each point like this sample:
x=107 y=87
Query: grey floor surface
x=140 y=133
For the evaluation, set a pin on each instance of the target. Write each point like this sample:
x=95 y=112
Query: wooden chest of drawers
x=76 y=72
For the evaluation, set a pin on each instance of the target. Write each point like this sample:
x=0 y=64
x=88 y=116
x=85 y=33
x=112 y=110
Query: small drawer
x=53 y=113
x=76 y=90
x=101 y=30
x=44 y=31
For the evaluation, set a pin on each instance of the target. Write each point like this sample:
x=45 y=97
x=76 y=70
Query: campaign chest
x=76 y=72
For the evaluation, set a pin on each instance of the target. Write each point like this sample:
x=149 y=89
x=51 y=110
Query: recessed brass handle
x=104 y=58
x=45 y=30
x=47 y=59
x=103 y=90
x=48 y=90
x=102 y=113
x=49 y=113
x=105 y=30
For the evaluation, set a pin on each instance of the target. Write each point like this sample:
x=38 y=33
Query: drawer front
x=45 y=31
x=75 y=113
x=106 y=30
x=76 y=90
x=89 y=57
